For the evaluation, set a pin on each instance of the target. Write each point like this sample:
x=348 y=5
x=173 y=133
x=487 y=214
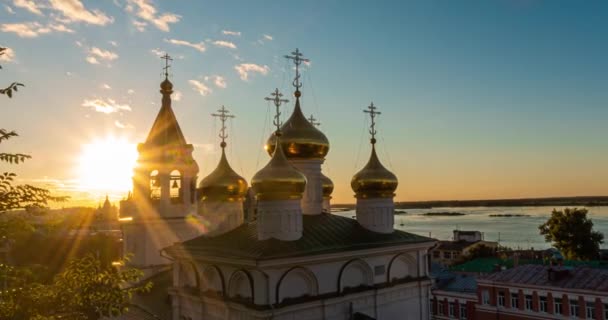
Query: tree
x=86 y=289
x=572 y=233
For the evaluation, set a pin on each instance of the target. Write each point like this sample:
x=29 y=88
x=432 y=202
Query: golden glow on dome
x=374 y=180
x=278 y=180
x=327 y=186
x=300 y=139
x=223 y=184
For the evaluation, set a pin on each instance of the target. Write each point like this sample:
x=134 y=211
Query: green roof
x=486 y=265
x=322 y=233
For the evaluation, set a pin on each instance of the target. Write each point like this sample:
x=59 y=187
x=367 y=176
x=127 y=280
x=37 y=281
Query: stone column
x=279 y=219
x=312 y=200
x=377 y=214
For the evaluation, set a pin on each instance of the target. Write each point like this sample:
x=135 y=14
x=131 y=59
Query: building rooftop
x=454 y=245
x=322 y=234
x=582 y=278
x=488 y=265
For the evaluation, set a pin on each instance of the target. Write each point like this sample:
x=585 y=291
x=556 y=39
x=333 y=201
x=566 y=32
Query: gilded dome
x=327 y=186
x=278 y=180
x=300 y=139
x=223 y=184
x=166 y=86
x=374 y=180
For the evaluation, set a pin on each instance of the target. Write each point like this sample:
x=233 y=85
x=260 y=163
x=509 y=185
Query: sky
x=479 y=99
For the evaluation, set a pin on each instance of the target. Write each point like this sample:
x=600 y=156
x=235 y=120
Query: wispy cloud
x=74 y=10
x=177 y=95
x=105 y=106
x=267 y=37
x=28 y=5
x=157 y=52
x=218 y=80
x=113 y=43
x=92 y=60
x=33 y=29
x=9 y=9
x=231 y=33
x=8 y=55
x=96 y=54
x=106 y=86
x=197 y=46
x=139 y=25
x=123 y=125
x=130 y=91
x=200 y=87
x=144 y=9
x=224 y=44
x=245 y=68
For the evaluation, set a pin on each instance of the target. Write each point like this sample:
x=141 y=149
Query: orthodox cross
x=167 y=58
x=314 y=121
x=297 y=60
x=224 y=115
x=372 y=113
x=277 y=103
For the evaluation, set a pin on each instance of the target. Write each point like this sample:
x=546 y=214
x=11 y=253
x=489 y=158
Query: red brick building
x=541 y=292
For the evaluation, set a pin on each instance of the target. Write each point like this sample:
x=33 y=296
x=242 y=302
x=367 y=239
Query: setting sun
x=107 y=164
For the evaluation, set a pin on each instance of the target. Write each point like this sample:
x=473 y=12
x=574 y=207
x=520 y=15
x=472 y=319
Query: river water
x=515 y=232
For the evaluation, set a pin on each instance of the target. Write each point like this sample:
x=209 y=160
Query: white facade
x=279 y=219
x=383 y=283
x=312 y=200
x=377 y=214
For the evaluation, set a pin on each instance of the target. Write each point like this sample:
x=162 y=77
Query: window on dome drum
x=514 y=300
x=557 y=306
x=528 y=302
x=485 y=297
x=463 y=311
x=574 y=308
x=451 y=309
x=175 y=186
x=542 y=304
x=154 y=185
x=590 y=310
x=501 y=298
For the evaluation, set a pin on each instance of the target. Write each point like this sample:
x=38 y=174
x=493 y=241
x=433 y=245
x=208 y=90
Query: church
x=291 y=258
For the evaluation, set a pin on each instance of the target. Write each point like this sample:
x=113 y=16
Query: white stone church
x=291 y=258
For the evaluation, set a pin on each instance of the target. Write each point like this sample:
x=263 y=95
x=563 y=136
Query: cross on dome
x=167 y=58
x=314 y=121
x=372 y=114
x=223 y=114
x=297 y=58
x=275 y=98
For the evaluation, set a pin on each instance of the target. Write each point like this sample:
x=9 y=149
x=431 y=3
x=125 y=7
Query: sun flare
x=107 y=164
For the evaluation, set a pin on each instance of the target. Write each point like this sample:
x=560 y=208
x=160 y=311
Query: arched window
x=154 y=185
x=176 y=186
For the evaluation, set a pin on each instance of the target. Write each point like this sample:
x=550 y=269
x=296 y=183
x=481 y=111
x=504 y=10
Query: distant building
x=453 y=296
x=543 y=292
x=449 y=252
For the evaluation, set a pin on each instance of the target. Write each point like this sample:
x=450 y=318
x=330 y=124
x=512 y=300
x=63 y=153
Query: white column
x=221 y=216
x=376 y=214
x=312 y=201
x=279 y=219
x=326 y=204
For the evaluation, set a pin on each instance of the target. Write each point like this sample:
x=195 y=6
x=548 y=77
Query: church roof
x=322 y=234
x=165 y=130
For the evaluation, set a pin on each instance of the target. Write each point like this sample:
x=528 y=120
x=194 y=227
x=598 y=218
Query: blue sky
x=479 y=99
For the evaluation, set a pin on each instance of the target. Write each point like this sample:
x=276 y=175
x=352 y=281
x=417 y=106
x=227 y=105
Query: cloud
x=113 y=43
x=130 y=91
x=61 y=28
x=28 y=5
x=267 y=37
x=231 y=33
x=177 y=95
x=69 y=73
x=218 y=80
x=33 y=29
x=139 y=25
x=197 y=46
x=74 y=11
x=8 y=55
x=96 y=53
x=106 y=86
x=78 y=43
x=157 y=52
x=105 y=106
x=9 y=9
x=200 y=87
x=224 y=44
x=145 y=10
x=122 y=125
x=245 y=68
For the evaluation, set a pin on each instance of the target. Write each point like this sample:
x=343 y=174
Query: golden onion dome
x=327 y=186
x=166 y=86
x=278 y=180
x=374 y=180
x=300 y=138
x=223 y=184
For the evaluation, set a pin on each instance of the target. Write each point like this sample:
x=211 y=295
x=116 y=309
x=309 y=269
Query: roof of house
x=459 y=283
x=488 y=265
x=323 y=233
x=582 y=278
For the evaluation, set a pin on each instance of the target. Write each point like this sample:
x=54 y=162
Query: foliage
x=13 y=86
x=572 y=233
x=84 y=290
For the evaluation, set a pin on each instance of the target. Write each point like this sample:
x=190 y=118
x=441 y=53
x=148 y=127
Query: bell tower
x=164 y=188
